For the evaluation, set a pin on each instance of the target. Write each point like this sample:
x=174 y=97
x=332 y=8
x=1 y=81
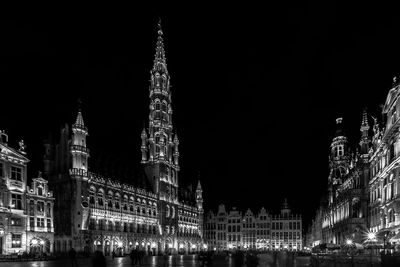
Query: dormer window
x=40 y=191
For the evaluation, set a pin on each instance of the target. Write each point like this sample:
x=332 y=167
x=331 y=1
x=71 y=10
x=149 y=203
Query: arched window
x=100 y=196
x=167 y=212
x=173 y=212
x=110 y=205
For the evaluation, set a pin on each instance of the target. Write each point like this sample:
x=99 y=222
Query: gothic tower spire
x=159 y=147
x=79 y=151
x=365 y=140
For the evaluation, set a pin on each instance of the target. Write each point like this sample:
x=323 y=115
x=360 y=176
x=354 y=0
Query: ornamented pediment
x=12 y=154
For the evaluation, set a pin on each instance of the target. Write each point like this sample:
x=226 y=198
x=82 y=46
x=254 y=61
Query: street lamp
x=371 y=236
x=349 y=242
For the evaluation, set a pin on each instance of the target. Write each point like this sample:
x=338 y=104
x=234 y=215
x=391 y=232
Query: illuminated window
x=16 y=173
x=16 y=201
x=16 y=221
x=40 y=222
x=16 y=240
x=40 y=206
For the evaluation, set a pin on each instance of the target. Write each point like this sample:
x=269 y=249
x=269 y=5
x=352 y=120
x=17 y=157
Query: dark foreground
x=192 y=261
x=173 y=261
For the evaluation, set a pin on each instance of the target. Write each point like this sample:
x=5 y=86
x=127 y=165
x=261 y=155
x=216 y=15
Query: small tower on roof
x=364 y=129
x=199 y=196
x=79 y=151
x=285 y=210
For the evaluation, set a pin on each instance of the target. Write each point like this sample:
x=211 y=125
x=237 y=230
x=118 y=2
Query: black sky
x=255 y=90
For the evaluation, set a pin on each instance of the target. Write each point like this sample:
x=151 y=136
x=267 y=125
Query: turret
x=339 y=142
x=199 y=196
x=285 y=211
x=176 y=150
x=365 y=139
x=143 y=148
x=79 y=151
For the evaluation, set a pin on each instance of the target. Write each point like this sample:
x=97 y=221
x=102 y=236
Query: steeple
x=339 y=148
x=79 y=120
x=79 y=151
x=285 y=211
x=365 y=139
x=160 y=62
x=199 y=196
x=158 y=147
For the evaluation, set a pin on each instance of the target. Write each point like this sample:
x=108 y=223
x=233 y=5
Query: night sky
x=255 y=90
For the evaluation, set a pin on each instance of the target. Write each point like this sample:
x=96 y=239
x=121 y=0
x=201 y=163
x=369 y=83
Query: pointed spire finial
x=79 y=104
x=160 y=32
x=365 y=117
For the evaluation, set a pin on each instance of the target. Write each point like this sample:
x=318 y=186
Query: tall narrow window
x=16 y=173
x=16 y=240
x=16 y=201
x=1 y=170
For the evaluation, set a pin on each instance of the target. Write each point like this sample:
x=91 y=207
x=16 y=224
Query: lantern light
x=371 y=236
x=34 y=242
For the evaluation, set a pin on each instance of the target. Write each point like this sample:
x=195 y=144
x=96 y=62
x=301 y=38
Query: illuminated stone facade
x=345 y=216
x=384 y=184
x=26 y=213
x=94 y=212
x=262 y=231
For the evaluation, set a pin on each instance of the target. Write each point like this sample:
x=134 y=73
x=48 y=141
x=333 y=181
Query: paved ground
x=174 y=261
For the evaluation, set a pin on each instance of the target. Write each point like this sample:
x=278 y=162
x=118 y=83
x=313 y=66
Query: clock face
x=85 y=204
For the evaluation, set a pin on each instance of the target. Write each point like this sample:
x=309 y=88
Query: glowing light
x=130 y=243
x=41 y=242
x=230 y=246
x=180 y=246
x=120 y=244
x=205 y=246
x=193 y=246
x=215 y=249
x=170 y=245
x=34 y=242
x=153 y=245
x=349 y=242
x=142 y=244
x=371 y=236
